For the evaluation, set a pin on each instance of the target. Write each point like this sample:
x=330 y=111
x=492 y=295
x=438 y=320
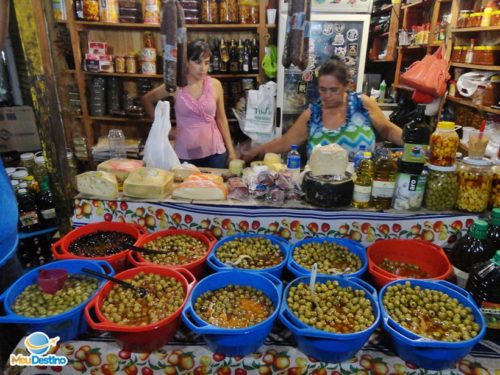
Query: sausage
x=181 y=46
x=168 y=28
x=287 y=57
x=298 y=32
x=304 y=50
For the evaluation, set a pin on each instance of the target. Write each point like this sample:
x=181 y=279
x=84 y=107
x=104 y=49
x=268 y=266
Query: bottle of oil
x=224 y=57
x=384 y=180
x=469 y=250
x=416 y=136
x=484 y=286
x=364 y=180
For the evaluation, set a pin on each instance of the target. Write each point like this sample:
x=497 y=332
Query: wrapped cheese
x=148 y=183
x=97 y=184
x=201 y=187
x=184 y=170
x=120 y=167
x=205 y=177
x=328 y=160
x=271 y=158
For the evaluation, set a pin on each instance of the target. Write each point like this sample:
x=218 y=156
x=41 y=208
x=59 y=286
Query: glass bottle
x=493 y=235
x=469 y=55
x=363 y=183
x=46 y=206
x=233 y=58
x=241 y=52
x=216 y=57
x=40 y=172
x=254 y=56
x=246 y=58
x=474 y=184
x=29 y=220
x=28 y=162
x=469 y=250
x=416 y=134
x=384 y=180
x=116 y=141
x=444 y=145
x=224 y=57
x=484 y=286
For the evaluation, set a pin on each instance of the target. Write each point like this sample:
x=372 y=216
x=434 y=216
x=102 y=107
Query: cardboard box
x=18 y=129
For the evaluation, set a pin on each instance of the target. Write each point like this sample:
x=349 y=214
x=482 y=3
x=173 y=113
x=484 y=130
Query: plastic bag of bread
x=148 y=183
x=97 y=184
x=200 y=187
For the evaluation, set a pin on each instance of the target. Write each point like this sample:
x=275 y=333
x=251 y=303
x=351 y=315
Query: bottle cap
x=496 y=258
x=27 y=156
x=439 y=168
x=40 y=160
x=479 y=229
x=367 y=154
x=446 y=125
x=294 y=147
x=10 y=171
x=495 y=216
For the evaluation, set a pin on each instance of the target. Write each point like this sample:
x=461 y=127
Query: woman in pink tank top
x=202 y=130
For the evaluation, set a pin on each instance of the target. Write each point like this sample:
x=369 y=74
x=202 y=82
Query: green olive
x=250 y=253
x=183 y=249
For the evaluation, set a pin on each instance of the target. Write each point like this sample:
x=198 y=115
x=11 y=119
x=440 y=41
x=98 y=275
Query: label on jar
x=28 y=218
x=383 y=189
x=361 y=194
x=491 y=313
x=409 y=192
x=48 y=214
x=414 y=153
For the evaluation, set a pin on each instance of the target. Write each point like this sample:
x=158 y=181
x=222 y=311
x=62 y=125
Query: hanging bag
x=428 y=75
x=158 y=152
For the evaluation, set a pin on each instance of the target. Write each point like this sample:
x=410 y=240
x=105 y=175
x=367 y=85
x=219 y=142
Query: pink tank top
x=197 y=133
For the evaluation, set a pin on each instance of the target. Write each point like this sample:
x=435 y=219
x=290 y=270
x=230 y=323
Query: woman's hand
x=231 y=155
x=248 y=155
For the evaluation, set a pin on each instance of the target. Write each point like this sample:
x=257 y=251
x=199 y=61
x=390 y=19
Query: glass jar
x=474 y=184
x=441 y=188
x=495 y=187
x=455 y=55
x=495 y=18
x=40 y=172
x=475 y=19
x=478 y=55
x=120 y=64
x=444 y=145
x=452 y=88
x=28 y=161
x=131 y=63
x=91 y=10
x=463 y=55
x=249 y=11
x=463 y=18
x=209 y=11
x=228 y=11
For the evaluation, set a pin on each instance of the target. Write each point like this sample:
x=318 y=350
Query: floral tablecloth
x=188 y=355
x=293 y=222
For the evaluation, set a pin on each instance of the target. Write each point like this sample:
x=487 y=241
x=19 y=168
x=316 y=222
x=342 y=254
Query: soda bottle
x=384 y=180
x=360 y=155
x=484 y=286
x=416 y=135
x=469 y=250
x=293 y=161
x=364 y=180
x=29 y=220
x=493 y=236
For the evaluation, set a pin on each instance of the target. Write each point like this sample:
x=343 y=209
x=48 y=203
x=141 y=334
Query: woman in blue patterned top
x=340 y=116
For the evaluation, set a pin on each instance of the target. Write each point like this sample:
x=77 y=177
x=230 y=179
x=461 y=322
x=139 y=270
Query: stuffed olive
x=404 y=269
x=332 y=308
x=331 y=257
x=183 y=249
x=234 y=306
x=250 y=253
x=430 y=313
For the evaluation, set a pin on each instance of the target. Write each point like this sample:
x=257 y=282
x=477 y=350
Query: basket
x=234 y=341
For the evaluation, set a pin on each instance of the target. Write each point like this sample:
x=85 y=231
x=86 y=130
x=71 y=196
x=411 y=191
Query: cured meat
x=297 y=34
x=304 y=45
x=181 y=46
x=287 y=57
x=168 y=28
x=237 y=189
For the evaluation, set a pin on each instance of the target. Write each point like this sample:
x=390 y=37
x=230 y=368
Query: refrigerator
x=338 y=27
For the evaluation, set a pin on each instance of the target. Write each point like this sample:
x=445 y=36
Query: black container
x=493 y=236
x=416 y=134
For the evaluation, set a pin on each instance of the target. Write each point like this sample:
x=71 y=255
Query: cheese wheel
x=328 y=160
x=98 y=184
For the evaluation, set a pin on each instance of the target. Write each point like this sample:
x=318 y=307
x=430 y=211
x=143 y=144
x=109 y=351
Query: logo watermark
x=39 y=344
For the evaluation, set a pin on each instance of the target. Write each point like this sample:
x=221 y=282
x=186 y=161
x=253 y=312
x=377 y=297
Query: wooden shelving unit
x=126 y=37
x=495 y=68
x=469 y=103
x=387 y=39
x=475 y=29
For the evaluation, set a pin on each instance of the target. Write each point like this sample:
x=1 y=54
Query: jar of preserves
x=455 y=55
x=444 y=145
x=209 y=11
x=463 y=18
x=474 y=184
x=452 y=88
x=131 y=63
x=28 y=161
x=91 y=10
x=495 y=187
x=495 y=18
x=478 y=55
x=463 y=54
x=249 y=11
x=228 y=11
x=475 y=19
x=120 y=64
x=441 y=188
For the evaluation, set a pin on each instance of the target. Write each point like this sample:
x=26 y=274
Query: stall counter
x=293 y=221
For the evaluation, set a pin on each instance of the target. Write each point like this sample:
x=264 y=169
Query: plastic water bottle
x=360 y=155
x=293 y=161
x=116 y=141
x=382 y=89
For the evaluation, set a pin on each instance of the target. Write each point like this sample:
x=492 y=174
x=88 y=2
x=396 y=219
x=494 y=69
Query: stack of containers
x=441 y=190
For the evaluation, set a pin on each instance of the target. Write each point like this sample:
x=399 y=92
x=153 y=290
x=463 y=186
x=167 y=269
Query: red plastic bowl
x=196 y=267
x=429 y=257
x=118 y=261
x=140 y=338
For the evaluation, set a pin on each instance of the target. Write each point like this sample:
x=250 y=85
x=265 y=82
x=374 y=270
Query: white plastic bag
x=158 y=152
x=260 y=109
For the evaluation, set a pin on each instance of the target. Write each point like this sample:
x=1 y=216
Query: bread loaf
x=98 y=184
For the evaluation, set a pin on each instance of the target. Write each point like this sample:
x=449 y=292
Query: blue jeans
x=212 y=161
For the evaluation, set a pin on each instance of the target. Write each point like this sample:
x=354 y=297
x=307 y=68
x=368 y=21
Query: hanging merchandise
x=296 y=50
x=168 y=29
x=270 y=61
x=468 y=83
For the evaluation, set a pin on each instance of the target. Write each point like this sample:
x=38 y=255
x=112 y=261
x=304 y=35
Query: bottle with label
x=254 y=56
x=416 y=136
x=410 y=187
x=293 y=161
x=46 y=206
x=240 y=51
x=469 y=250
x=233 y=58
x=224 y=57
x=246 y=58
x=493 y=235
x=382 y=89
x=384 y=180
x=29 y=220
x=216 y=58
x=116 y=140
x=484 y=286
x=360 y=155
x=364 y=180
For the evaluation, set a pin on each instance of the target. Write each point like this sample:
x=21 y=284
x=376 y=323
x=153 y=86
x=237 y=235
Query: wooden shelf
x=475 y=29
x=495 y=68
x=146 y=26
x=414 y=4
x=420 y=46
x=469 y=103
x=382 y=11
x=160 y=76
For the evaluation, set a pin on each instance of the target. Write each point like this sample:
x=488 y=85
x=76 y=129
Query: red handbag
x=428 y=75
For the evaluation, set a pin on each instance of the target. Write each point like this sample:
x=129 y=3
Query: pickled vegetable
x=183 y=249
x=441 y=189
x=495 y=188
x=101 y=243
x=443 y=150
x=404 y=269
x=250 y=253
x=234 y=306
x=430 y=313
x=474 y=185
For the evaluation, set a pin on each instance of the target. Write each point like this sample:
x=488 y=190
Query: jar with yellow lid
x=456 y=54
x=495 y=187
x=495 y=18
x=444 y=144
x=475 y=177
x=475 y=19
x=463 y=18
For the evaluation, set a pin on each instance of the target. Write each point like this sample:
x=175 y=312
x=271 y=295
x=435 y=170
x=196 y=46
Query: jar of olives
x=444 y=144
x=441 y=189
x=495 y=187
x=474 y=184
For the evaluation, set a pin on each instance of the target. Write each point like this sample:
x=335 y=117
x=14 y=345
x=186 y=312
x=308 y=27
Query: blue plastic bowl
x=10 y=267
x=215 y=264
x=67 y=325
x=234 y=341
x=353 y=247
x=322 y=345
x=427 y=353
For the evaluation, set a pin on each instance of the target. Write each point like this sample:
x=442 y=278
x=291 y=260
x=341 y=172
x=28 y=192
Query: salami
x=168 y=28
x=297 y=34
x=304 y=45
x=287 y=57
x=181 y=46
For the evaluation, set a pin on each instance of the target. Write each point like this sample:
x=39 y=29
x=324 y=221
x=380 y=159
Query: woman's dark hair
x=197 y=50
x=335 y=67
